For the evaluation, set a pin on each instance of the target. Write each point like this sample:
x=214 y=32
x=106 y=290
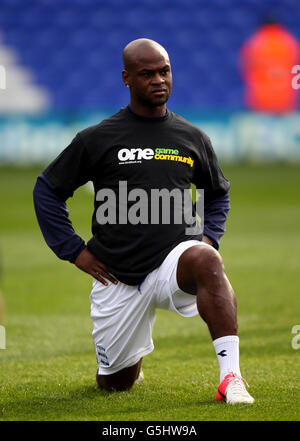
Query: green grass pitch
x=48 y=367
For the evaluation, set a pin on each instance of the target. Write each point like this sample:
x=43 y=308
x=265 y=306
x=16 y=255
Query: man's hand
x=87 y=262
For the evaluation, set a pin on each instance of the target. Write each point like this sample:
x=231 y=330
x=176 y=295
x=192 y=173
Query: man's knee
x=121 y=380
x=207 y=262
x=112 y=384
x=199 y=265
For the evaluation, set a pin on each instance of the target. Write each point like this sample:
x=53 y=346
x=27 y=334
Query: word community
x=151 y=430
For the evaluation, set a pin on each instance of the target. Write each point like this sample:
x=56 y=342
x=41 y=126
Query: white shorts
x=123 y=316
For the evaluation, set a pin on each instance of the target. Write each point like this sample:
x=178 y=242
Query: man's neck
x=149 y=112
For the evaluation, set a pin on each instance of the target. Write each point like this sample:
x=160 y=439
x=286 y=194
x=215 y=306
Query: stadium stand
x=73 y=47
x=19 y=92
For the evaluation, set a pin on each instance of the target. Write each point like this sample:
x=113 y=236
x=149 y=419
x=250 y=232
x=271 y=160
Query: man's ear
x=125 y=78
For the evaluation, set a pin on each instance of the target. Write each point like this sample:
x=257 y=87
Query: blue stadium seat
x=74 y=48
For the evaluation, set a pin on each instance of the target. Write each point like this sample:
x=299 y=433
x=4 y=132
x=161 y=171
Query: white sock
x=227 y=350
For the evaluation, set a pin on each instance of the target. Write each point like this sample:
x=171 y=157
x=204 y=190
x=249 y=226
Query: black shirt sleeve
x=215 y=216
x=208 y=174
x=209 y=177
x=54 y=222
x=70 y=169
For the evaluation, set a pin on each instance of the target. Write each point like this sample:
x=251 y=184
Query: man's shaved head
x=138 y=49
x=147 y=74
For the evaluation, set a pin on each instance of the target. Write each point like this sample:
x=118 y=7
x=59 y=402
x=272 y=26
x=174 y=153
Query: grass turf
x=48 y=368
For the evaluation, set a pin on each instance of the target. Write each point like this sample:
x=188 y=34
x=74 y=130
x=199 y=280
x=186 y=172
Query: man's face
x=149 y=78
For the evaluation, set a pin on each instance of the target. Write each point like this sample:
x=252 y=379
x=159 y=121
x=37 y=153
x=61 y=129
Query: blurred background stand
x=267 y=60
x=63 y=63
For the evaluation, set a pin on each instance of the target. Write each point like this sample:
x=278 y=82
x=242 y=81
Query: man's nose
x=158 y=78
